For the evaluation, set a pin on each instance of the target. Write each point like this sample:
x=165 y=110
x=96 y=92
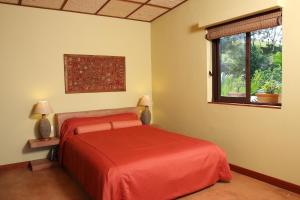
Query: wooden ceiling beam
x=102 y=7
x=63 y=4
x=157 y=6
x=137 y=9
x=148 y=4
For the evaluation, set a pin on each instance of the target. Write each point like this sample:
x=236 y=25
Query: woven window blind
x=249 y=24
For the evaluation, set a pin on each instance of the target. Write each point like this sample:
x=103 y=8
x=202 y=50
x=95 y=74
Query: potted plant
x=269 y=93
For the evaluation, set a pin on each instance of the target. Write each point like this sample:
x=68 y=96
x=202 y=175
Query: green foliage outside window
x=265 y=60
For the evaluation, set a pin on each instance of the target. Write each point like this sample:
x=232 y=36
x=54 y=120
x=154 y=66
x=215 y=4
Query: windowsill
x=248 y=105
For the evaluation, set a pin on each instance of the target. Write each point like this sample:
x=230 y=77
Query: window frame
x=216 y=75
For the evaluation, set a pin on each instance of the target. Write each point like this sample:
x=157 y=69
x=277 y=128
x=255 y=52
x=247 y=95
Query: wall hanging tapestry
x=90 y=73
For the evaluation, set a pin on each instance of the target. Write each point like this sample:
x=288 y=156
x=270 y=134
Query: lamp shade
x=43 y=107
x=145 y=101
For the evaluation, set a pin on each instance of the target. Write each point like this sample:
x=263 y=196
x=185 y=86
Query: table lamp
x=146 y=114
x=43 y=108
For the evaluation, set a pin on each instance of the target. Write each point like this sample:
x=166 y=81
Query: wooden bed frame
x=59 y=118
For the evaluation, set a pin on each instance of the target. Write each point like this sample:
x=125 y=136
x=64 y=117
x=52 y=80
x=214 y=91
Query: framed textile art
x=92 y=73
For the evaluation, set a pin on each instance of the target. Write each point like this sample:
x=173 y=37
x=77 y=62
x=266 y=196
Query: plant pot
x=267 y=98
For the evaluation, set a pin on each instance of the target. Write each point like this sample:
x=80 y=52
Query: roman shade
x=249 y=24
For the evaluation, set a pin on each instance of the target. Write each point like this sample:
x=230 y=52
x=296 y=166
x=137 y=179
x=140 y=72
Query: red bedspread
x=142 y=163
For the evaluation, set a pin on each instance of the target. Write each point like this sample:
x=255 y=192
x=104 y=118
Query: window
x=247 y=60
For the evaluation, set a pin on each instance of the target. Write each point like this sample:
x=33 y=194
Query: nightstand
x=37 y=165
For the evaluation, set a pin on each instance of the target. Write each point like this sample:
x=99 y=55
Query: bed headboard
x=61 y=117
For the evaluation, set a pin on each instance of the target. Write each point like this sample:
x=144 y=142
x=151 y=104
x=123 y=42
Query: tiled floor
x=52 y=184
x=55 y=184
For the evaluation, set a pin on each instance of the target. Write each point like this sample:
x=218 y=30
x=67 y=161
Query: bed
x=136 y=162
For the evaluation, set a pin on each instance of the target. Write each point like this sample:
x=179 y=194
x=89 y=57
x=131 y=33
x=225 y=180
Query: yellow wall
x=32 y=44
x=260 y=139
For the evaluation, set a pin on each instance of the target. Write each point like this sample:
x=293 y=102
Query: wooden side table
x=37 y=165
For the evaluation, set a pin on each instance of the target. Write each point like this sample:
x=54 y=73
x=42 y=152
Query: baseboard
x=15 y=166
x=267 y=179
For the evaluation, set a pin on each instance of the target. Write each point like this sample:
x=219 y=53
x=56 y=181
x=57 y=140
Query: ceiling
x=141 y=10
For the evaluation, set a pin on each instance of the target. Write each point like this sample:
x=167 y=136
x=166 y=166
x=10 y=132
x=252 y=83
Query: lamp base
x=44 y=128
x=146 y=116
